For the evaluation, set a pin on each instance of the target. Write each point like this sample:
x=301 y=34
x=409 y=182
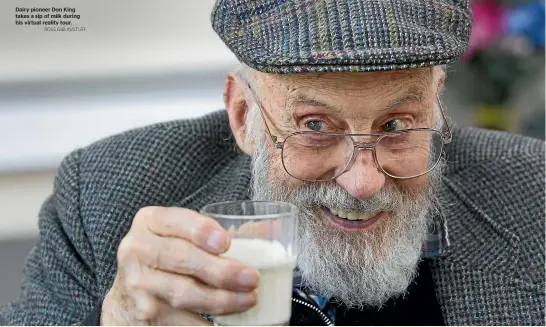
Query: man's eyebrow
x=413 y=94
x=301 y=99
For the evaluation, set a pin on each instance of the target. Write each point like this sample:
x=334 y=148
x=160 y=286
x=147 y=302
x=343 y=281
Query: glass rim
x=293 y=210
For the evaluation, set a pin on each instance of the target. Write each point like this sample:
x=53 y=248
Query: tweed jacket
x=492 y=196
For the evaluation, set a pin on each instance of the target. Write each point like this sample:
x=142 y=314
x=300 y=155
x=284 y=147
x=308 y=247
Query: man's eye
x=393 y=125
x=315 y=125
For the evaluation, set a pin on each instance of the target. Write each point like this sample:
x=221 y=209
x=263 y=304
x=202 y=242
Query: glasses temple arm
x=447 y=133
x=273 y=137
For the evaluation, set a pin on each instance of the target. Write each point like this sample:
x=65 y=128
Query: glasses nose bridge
x=364 y=145
x=358 y=146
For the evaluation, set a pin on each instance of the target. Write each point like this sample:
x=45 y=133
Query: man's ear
x=237 y=109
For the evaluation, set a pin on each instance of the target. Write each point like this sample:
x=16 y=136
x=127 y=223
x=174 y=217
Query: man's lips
x=370 y=219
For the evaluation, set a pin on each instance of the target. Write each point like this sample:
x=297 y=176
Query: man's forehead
x=361 y=83
x=339 y=91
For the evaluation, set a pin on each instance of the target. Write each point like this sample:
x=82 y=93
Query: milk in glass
x=275 y=264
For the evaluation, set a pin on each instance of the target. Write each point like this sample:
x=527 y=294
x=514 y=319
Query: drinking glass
x=264 y=236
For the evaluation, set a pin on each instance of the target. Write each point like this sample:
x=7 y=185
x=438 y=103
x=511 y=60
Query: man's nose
x=363 y=179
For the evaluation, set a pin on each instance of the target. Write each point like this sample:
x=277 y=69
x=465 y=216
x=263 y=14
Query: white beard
x=355 y=268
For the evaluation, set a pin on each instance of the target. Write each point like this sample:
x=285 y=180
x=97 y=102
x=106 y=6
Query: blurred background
x=143 y=61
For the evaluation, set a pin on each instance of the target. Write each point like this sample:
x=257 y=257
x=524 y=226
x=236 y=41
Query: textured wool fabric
x=295 y=36
x=492 y=196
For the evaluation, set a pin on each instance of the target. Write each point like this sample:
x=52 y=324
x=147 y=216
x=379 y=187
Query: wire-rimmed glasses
x=315 y=156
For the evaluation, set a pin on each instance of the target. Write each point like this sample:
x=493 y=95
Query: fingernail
x=248 y=277
x=217 y=241
x=245 y=299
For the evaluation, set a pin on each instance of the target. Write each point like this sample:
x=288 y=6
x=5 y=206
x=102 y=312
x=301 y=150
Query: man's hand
x=169 y=270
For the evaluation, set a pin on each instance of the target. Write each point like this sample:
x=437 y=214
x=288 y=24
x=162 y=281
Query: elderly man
x=404 y=218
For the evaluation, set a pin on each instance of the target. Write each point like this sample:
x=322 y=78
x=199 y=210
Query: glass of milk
x=263 y=235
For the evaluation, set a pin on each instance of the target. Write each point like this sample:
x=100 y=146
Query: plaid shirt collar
x=437 y=241
x=436 y=245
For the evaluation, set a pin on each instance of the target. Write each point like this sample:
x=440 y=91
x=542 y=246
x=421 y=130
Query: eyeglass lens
x=318 y=157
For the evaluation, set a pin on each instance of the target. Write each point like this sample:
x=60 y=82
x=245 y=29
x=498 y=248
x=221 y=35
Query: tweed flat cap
x=296 y=36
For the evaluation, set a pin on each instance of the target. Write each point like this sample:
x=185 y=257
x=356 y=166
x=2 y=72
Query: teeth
x=353 y=215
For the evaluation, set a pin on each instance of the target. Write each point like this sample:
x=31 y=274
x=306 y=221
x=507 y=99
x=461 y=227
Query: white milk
x=275 y=264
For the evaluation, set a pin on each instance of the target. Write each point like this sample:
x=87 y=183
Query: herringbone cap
x=296 y=36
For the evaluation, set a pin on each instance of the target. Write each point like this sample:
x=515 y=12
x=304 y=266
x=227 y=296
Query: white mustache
x=332 y=195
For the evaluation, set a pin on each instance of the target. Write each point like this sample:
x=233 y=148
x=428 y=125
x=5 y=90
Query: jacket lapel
x=476 y=279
